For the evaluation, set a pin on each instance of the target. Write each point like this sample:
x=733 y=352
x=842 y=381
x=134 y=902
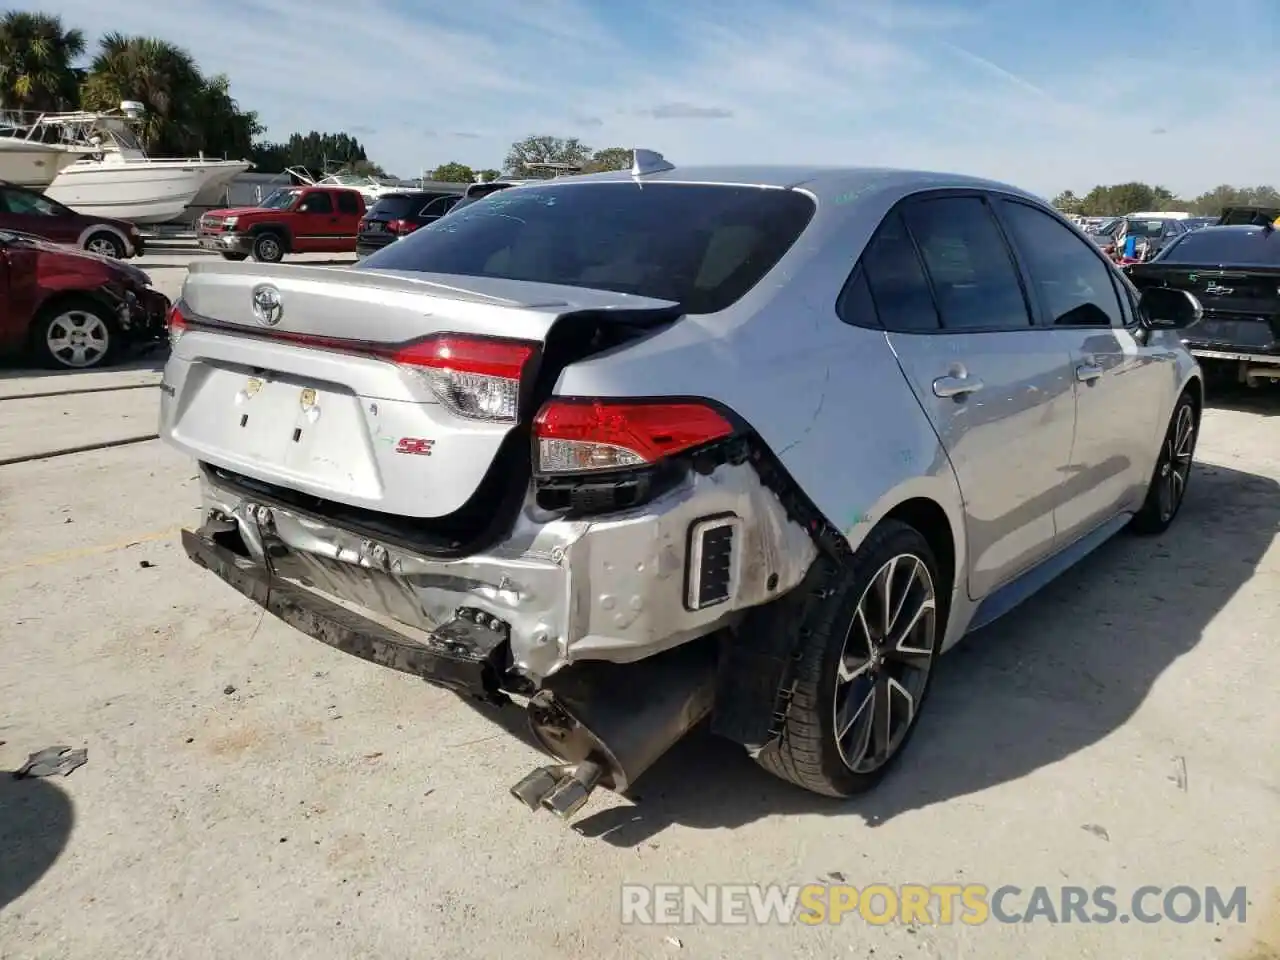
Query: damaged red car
x=68 y=309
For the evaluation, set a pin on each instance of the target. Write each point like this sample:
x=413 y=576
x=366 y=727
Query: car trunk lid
x=387 y=391
x=1241 y=304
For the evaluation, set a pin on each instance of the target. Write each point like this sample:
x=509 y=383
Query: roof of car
x=839 y=184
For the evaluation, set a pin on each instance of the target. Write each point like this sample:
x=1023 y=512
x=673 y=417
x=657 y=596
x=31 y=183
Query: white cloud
x=814 y=81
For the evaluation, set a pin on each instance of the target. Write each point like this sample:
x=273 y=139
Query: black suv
x=395 y=215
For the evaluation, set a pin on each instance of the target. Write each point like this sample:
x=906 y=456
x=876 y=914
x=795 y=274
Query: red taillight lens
x=176 y=323
x=577 y=436
x=402 y=226
x=474 y=377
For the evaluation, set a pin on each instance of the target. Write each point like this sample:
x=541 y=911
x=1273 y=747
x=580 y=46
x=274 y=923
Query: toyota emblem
x=267 y=308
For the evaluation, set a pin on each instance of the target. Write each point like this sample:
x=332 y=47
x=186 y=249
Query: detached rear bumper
x=619 y=588
x=459 y=655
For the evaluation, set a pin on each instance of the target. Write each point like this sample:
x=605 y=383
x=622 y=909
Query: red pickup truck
x=290 y=220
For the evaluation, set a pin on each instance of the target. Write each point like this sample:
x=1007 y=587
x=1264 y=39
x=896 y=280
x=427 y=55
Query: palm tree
x=162 y=77
x=36 y=54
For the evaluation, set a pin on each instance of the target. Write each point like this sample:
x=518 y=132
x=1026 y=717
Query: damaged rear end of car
x=386 y=465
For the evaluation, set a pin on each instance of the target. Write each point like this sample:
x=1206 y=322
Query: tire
x=809 y=753
x=235 y=257
x=106 y=244
x=87 y=329
x=268 y=247
x=1168 y=488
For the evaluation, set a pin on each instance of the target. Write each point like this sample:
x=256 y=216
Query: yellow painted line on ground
x=63 y=556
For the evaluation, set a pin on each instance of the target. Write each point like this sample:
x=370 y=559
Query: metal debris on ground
x=52 y=760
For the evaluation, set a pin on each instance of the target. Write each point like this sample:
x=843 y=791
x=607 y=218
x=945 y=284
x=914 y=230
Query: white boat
x=370 y=187
x=31 y=163
x=119 y=180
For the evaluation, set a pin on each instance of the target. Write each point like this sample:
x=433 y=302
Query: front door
x=317 y=223
x=1114 y=377
x=997 y=389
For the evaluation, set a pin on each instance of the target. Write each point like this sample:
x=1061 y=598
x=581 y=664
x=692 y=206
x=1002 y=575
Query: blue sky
x=1046 y=94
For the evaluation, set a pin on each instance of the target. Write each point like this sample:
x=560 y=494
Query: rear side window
x=701 y=245
x=1073 y=285
x=896 y=280
x=437 y=207
x=1228 y=246
x=974 y=280
x=347 y=203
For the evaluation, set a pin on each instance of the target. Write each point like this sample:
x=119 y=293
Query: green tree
x=1068 y=202
x=525 y=154
x=1121 y=198
x=452 y=172
x=610 y=158
x=36 y=54
x=488 y=176
x=224 y=129
x=1211 y=202
x=163 y=78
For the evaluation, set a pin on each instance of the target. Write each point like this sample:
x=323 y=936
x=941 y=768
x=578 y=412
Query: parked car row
x=329 y=219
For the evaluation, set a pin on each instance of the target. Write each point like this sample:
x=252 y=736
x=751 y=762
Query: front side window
x=317 y=203
x=701 y=245
x=975 y=283
x=29 y=204
x=1072 y=283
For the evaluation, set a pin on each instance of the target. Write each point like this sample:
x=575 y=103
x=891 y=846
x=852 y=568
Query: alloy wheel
x=103 y=247
x=1175 y=461
x=885 y=663
x=78 y=338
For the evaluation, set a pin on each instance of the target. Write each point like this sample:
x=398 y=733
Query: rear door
x=1123 y=390
x=350 y=208
x=996 y=389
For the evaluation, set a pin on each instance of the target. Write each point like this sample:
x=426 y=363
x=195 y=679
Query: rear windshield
x=395 y=207
x=1212 y=245
x=701 y=245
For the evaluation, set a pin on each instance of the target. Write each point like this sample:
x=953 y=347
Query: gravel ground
x=251 y=792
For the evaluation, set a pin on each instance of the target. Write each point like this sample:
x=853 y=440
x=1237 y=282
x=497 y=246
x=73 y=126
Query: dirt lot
x=250 y=792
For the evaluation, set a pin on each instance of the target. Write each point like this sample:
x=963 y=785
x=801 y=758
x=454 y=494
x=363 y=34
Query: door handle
x=956 y=386
x=1088 y=372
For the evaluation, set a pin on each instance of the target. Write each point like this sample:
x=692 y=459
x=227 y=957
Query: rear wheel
x=106 y=244
x=1173 y=471
x=867 y=653
x=75 y=335
x=268 y=248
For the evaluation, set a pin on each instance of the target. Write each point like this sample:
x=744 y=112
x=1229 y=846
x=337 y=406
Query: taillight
x=473 y=377
x=576 y=436
x=176 y=323
x=402 y=226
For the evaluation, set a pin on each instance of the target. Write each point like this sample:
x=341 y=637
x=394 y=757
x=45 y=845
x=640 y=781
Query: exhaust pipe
x=609 y=723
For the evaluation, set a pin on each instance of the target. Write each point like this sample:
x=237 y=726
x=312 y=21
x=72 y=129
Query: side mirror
x=1168 y=309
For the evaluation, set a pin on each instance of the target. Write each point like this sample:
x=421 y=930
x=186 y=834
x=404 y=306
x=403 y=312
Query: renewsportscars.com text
x=927 y=904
